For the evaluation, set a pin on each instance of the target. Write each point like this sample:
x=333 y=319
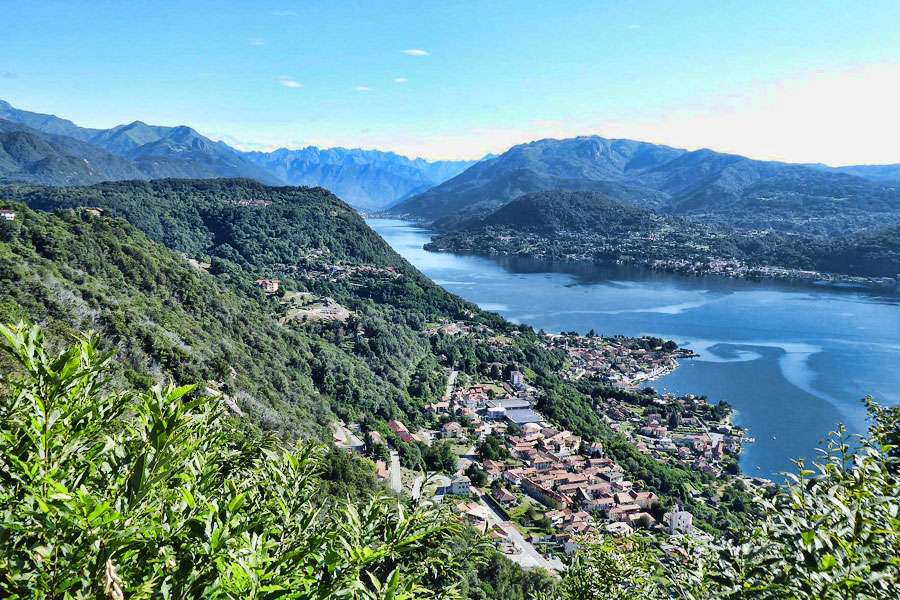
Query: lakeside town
x=534 y=488
x=685 y=250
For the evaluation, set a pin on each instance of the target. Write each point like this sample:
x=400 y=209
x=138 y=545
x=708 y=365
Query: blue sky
x=800 y=81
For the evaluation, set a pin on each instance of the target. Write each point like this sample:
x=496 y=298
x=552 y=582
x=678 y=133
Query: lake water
x=793 y=360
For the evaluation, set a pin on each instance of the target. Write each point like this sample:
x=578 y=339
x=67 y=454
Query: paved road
x=395 y=483
x=528 y=557
x=451 y=379
x=465 y=460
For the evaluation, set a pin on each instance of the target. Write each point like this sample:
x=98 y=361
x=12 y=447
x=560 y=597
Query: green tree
x=110 y=493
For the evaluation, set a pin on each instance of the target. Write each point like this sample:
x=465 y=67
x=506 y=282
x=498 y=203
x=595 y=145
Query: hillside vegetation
x=165 y=315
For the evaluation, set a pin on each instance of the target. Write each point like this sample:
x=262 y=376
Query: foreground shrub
x=110 y=493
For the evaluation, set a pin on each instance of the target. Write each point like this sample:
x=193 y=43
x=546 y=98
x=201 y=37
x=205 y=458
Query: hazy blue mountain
x=46 y=123
x=31 y=156
x=152 y=151
x=366 y=179
x=583 y=163
x=725 y=188
x=882 y=173
x=125 y=139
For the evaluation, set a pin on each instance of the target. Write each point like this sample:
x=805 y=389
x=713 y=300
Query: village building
x=451 y=429
x=400 y=429
x=270 y=286
x=505 y=497
x=461 y=486
x=7 y=215
x=523 y=416
x=679 y=521
x=516 y=379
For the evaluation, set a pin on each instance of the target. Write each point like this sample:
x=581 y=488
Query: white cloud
x=838 y=117
x=289 y=82
x=845 y=116
x=284 y=13
x=415 y=52
x=401 y=80
x=363 y=88
x=841 y=116
x=256 y=41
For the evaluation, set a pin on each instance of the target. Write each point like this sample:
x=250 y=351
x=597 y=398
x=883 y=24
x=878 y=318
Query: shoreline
x=738 y=272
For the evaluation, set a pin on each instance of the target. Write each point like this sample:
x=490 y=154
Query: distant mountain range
x=723 y=188
x=45 y=149
x=133 y=151
x=366 y=179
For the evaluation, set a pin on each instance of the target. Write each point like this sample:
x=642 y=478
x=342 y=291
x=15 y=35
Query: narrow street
x=528 y=557
x=451 y=381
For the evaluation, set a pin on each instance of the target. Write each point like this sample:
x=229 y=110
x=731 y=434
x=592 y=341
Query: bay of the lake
x=793 y=360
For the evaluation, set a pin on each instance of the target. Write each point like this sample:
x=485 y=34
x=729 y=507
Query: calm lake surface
x=794 y=361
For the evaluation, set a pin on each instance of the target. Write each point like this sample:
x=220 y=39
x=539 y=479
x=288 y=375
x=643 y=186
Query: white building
x=495 y=413
x=517 y=379
x=679 y=521
x=460 y=486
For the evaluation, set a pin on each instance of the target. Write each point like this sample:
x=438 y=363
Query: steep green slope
x=557 y=211
x=74 y=270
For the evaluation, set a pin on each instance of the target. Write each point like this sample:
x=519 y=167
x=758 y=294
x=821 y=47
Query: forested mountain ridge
x=169 y=315
x=703 y=184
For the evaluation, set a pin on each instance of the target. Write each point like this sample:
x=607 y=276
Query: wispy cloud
x=363 y=88
x=7 y=75
x=415 y=52
x=289 y=82
x=634 y=26
x=256 y=41
x=401 y=80
x=284 y=13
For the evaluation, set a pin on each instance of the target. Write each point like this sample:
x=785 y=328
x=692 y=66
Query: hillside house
x=451 y=430
x=400 y=429
x=7 y=215
x=269 y=286
x=461 y=486
x=679 y=521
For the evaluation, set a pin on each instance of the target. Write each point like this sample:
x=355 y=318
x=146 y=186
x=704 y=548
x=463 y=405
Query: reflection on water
x=794 y=360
